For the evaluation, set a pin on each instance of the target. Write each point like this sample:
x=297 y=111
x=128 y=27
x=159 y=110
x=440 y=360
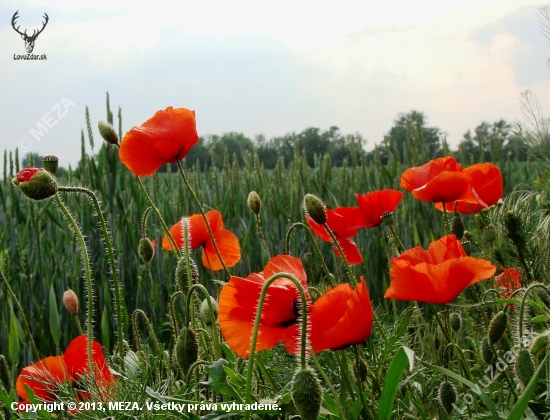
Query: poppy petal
x=43 y=378
x=76 y=359
x=164 y=138
x=351 y=251
x=228 y=246
x=341 y=317
x=372 y=205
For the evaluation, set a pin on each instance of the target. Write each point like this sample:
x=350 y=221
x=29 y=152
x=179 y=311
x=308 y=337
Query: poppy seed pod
x=146 y=250
x=70 y=300
x=447 y=396
x=457 y=227
x=186 y=350
x=204 y=311
x=108 y=132
x=306 y=393
x=525 y=368
x=36 y=183
x=254 y=203
x=51 y=163
x=497 y=327
x=387 y=218
x=489 y=234
x=455 y=321
x=315 y=208
x=467 y=245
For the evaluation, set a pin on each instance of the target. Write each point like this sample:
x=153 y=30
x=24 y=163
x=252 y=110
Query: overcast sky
x=266 y=67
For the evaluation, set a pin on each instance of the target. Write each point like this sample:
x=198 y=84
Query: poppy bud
x=36 y=183
x=525 y=368
x=487 y=353
x=51 y=163
x=204 y=311
x=186 y=350
x=254 y=202
x=540 y=343
x=489 y=234
x=387 y=218
x=447 y=396
x=497 y=327
x=108 y=132
x=146 y=250
x=455 y=321
x=306 y=393
x=70 y=300
x=467 y=245
x=315 y=208
x=457 y=227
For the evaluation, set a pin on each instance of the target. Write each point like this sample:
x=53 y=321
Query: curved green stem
x=144 y=222
x=112 y=262
x=87 y=273
x=192 y=368
x=196 y=199
x=522 y=307
x=25 y=323
x=312 y=240
x=303 y=339
x=329 y=384
x=152 y=337
x=173 y=313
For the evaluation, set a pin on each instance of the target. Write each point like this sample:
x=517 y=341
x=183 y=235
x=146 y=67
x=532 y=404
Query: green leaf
x=521 y=404
x=219 y=380
x=403 y=357
x=475 y=388
x=55 y=324
x=13 y=339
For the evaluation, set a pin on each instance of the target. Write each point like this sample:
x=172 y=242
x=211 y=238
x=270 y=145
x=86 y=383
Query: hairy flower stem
x=522 y=307
x=397 y=239
x=329 y=384
x=359 y=381
x=215 y=338
x=450 y=340
x=199 y=205
x=144 y=222
x=152 y=337
x=261 y=235
x=112 y=262
x=87 y=272
x=344 y=370
x=173 y=316
x=190 y=314
x=303 y=337
x=20 y=309
x=312 y=241
x=341 y=251
x=446 y=219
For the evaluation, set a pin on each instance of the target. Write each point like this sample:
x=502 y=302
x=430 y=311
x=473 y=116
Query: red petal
x=351 y=250
x=76 y=359
x=372 y=205
x=414 y=178
x=228 y=246
x=43 y=378
x=164 y=138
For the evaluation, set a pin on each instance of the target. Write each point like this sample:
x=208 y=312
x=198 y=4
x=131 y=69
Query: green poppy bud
x=36 y=183
x=254 y=202
x=525 y=368
x=306 y=393
x=487 y=353
x=108 y=132
x=540 y=343
x=186 y=350
x=457 y=227
x=205 y=314
x=146 y=250
x=455 y=321
x=447 y=396
x=497 y=327
x=315 y=209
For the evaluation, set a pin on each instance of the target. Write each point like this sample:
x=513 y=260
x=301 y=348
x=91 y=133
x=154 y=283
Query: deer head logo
x=29 y=40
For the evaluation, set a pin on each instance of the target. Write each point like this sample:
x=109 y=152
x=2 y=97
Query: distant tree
x=234 y=144
x=32 y=159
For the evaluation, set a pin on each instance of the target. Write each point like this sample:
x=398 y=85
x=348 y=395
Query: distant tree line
x=410 y=141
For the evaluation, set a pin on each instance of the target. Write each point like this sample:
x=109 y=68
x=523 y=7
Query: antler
x=13 y=19
x=44 y=24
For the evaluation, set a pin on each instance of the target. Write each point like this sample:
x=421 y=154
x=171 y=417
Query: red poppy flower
x=341 y=317
x=164 y=138
x=43 y=378
x=76 y=359
x=488 y=185
x=439 y=180
x=508 y=281
x=344 y=223
x=280 y=311
x=227 y=242
x=437 y=275
x=372 y=205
